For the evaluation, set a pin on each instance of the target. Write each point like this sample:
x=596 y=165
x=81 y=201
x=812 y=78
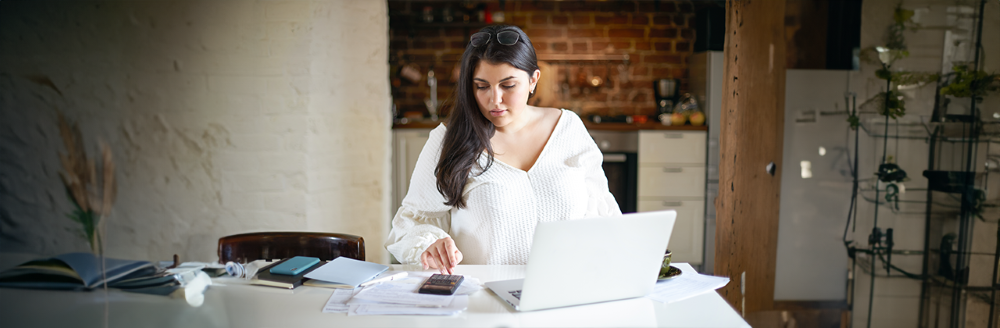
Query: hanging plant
x=894 y=44
x=968 y=82
x=907 y=78
x=893 y=49
x=895 y=107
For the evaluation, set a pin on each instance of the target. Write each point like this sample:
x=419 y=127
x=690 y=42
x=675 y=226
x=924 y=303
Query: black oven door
x=621 y=168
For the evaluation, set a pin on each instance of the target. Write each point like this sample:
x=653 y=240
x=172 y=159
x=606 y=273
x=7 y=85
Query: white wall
x=224 y=117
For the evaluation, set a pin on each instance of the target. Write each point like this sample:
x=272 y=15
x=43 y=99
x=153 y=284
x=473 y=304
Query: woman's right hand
x=442 y=255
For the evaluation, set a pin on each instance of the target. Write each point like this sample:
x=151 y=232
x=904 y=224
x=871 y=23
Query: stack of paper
x=687 y=285
x=401 y=297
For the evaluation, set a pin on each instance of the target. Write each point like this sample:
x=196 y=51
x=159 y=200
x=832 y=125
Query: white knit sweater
x=503 y=204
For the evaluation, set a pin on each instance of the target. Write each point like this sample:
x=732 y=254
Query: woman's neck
x=531 y=115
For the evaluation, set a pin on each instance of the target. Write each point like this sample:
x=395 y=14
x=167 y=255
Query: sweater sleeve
x=423 y=218
x=601 y=202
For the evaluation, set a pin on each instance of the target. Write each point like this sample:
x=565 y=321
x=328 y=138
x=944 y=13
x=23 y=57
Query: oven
x=620 y=164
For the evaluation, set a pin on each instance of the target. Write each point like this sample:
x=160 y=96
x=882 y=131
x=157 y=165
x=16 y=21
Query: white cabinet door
x=678 y=147
x=407 y=144
x=689 y=229
x=671 y=180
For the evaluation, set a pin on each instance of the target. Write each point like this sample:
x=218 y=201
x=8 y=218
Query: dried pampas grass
x=92 y=194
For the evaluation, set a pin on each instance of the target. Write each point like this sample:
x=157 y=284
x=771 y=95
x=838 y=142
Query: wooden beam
x=751 y=136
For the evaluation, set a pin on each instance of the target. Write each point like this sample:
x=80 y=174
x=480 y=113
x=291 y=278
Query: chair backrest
x=247 y=247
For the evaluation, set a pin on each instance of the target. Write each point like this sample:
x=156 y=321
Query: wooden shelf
x=582 y=57
x=420 y=24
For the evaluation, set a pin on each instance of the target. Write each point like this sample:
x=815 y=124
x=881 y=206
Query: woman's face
x=502 y=91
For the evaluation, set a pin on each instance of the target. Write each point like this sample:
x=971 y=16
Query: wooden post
x=751 y=136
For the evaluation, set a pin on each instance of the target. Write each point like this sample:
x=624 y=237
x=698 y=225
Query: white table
x=243 y=306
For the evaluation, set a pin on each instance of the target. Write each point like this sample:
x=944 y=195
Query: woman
x=484 y=180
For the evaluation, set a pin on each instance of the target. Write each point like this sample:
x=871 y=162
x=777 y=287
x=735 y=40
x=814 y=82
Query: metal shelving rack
x=951 y=285
x=943 y=283
x=950 y=206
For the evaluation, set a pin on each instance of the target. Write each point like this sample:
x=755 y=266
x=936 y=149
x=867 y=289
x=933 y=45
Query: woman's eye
x=481 y=87
x=509 y=86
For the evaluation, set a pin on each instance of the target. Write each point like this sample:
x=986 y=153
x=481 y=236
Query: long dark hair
x=469 y=132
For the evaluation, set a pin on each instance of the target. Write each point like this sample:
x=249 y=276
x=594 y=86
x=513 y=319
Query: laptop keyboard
x=515 y=293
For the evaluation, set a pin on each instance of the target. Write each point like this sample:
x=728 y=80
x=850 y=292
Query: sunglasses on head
x=507 y=38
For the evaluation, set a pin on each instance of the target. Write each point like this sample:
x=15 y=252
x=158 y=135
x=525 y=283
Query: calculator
x=441 y=284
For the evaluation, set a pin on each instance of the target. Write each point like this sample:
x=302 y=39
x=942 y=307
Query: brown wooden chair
x=247 y=247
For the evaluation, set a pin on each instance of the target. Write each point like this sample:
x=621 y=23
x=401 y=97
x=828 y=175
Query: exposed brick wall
x=657 y=36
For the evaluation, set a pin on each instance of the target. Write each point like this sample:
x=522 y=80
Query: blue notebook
x=347 y=271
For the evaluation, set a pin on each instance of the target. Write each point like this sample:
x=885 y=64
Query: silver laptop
x=586 y=261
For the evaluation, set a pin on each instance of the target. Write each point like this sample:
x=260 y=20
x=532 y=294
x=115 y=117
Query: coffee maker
x=665 y=92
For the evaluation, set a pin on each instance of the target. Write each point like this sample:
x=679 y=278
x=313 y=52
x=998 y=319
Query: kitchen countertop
x=641 y=126
x=590 y=126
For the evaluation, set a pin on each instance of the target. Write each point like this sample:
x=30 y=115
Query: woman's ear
x=534 y=79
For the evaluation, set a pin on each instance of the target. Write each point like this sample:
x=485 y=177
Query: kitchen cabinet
x=670 y=180
x=686 y=239
x=406 y=147
x=672 y=177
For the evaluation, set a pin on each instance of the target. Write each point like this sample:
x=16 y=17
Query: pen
x=384 y=279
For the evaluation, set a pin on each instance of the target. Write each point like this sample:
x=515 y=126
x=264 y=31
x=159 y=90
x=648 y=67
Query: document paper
x=400 y=297
x=338 y=301
x=689 y=284
x=458 y=304
x=402 y=292
x=469 y=285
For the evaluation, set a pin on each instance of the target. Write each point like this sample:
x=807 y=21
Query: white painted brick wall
x=223 y=117
x=287 y=11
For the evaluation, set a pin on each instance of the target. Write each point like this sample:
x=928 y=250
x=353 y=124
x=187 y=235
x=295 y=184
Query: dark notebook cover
x=266 y=278
x=81 y=271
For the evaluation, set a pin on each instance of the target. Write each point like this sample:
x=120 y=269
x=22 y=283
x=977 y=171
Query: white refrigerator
x=815 y=180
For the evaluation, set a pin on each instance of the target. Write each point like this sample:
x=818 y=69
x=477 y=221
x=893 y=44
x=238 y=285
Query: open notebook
x=81 y=271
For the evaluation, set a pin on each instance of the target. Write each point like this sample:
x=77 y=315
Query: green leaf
x=854 y=120
x=970 y=83
x=911 y=78
x=895 y=107
x=883 y=73
x=902 y=16
x=87 y=220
